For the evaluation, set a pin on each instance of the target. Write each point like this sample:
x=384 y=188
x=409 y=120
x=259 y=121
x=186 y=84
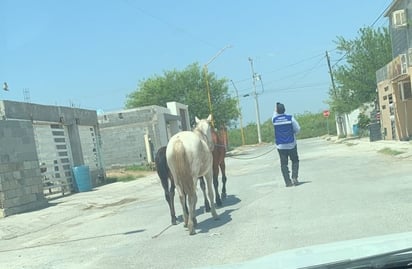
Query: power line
x=383 y=12
x=375 y=21
x=170 y=25
x=287 y=66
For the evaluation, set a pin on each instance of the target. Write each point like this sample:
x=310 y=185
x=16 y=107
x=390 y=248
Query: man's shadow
x=302 y=182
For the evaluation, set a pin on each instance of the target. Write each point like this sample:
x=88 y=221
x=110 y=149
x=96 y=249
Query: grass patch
x=137 y=168
x=349 y=144
x=389 y=151
x=125 y=178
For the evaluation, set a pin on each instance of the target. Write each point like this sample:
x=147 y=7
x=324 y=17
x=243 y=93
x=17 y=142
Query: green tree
x=356 y=77
x=187 y=87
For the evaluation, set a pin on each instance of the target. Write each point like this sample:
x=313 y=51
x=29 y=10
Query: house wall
x=21 y=186
x=123 y=135
x=71 y=118
x=386 y=107
x=396 y=114
x=129 y=135
x=182 y=111
x=400 y=35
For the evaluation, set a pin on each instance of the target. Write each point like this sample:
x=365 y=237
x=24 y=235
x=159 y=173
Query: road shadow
x=211 y=223
x=63 y=242
x=302 y=182
x=230 y=200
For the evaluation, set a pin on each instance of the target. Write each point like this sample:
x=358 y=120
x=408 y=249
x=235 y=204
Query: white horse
x=189 y=156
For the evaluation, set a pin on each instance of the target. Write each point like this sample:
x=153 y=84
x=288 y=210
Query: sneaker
x=289 y=185
x=295 y=181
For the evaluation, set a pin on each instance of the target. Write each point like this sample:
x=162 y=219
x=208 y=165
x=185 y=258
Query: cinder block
x=17 y=175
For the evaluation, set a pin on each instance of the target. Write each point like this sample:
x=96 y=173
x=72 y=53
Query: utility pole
x=338 y=116
x=240 y=114
x=256 y=101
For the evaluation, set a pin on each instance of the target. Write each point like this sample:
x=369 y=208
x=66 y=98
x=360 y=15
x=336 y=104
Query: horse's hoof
x=215 y=216
x=192 y=229
x=219 y=202
x=207 y=209
x=223 y=195
x=194 y=221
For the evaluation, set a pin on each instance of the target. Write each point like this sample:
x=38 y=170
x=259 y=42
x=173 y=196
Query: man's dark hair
x=280 y=108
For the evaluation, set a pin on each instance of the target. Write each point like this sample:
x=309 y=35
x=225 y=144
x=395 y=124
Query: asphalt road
x=349 y=191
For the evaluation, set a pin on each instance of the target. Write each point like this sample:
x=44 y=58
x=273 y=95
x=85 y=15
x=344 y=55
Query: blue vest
x=283 y=129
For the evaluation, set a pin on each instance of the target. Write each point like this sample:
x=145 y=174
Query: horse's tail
x=182 y=168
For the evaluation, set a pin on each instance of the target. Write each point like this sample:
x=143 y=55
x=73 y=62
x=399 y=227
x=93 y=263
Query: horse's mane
x=205 y=133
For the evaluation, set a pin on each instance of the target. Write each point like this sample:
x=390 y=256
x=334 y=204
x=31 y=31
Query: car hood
x=328 y=253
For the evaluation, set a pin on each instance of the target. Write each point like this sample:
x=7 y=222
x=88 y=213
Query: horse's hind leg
x=182 y=198
x=203 y=187
x=216 y=184
x=172 y=202
x=224 y=179
x=192 y=197
x=169 y=196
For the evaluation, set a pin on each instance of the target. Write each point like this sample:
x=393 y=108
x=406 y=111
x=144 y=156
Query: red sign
x=326 y=113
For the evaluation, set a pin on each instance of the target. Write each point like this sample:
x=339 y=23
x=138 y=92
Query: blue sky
x=92 y=54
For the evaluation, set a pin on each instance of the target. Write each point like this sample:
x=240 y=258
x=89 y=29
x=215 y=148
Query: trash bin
x=375 y=132
x=355 y=130
x=82 y=178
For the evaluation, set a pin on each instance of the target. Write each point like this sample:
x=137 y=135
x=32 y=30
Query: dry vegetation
x=126 y=174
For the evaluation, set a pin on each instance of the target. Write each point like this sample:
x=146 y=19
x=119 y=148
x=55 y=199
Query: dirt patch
x=119 y=173
x=118 y=203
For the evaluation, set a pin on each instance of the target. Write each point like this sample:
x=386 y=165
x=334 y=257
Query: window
x=405 y=91
x=410 y=55
x=399 y=18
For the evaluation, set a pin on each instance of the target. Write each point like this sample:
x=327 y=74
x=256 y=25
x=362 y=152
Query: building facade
x=133 y=136
x=394 y=79
x=39 y=147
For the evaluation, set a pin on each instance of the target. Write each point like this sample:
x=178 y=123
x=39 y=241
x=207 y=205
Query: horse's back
x=190 y=152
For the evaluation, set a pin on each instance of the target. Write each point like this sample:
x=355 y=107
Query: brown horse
x=219 y=153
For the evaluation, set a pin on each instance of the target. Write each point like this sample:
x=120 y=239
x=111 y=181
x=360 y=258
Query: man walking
x=286 y=127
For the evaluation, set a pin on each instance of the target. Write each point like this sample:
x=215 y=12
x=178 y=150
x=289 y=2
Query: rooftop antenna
x=26 y=95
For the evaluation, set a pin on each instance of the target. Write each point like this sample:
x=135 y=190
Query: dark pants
x=284 y=155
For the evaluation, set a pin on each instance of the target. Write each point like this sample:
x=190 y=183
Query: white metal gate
x=88 y=142
x=54 y=153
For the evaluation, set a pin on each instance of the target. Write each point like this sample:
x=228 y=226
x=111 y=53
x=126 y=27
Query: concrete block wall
x=123 y=145
x=70 y=117
x=21 y=186
x=122 y=133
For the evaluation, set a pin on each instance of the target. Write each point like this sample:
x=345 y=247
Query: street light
x=240 y=114
x=254 y=78
x=207 y=82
